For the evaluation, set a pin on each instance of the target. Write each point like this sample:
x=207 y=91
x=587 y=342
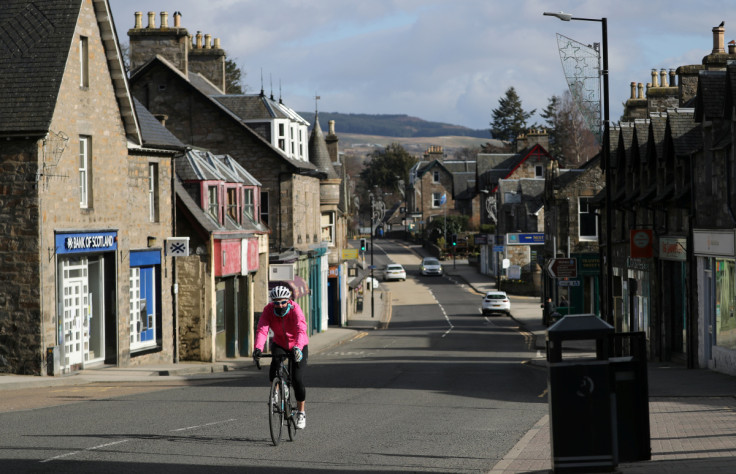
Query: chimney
x=655 y=78
x=640 y=90
x=633 y=90
x=164 y=19
x=673 y=78
x=208 y=41
x=663 y=75
x=151 y=20
x=138 y=20
x=199 y=40
x=718 y=34
x=331 y=124
x=732 y=47
x=170 y=43
x=217 y=43
x=177 y=19
x=332 y=140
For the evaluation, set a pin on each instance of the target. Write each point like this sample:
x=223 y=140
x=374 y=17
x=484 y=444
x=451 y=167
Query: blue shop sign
x=525 y=239
x=86 y=242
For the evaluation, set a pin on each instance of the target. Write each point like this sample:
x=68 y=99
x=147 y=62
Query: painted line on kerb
x=66 y=455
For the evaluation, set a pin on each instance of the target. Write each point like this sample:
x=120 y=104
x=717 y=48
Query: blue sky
x=440 y=60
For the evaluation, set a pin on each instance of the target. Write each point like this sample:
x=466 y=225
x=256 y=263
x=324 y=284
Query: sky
x=445 y=61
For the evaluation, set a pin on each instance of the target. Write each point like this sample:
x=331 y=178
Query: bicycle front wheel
x=276 y=405
x=291 y=420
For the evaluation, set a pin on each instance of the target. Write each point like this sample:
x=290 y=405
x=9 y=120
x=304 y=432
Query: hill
x=399 y=126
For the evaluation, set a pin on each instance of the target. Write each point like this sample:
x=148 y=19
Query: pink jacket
x=288 y=332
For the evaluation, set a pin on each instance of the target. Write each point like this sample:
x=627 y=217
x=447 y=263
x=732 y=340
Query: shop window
x=725 y=302
x=144 y=302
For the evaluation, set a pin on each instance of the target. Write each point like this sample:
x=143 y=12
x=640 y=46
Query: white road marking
x=447 y=318
x=202 y=426
x=66 y=455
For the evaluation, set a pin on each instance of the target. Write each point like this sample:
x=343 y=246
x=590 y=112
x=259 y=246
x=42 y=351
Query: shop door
x=76 y=321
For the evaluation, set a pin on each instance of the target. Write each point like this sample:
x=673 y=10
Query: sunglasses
x=280 y=303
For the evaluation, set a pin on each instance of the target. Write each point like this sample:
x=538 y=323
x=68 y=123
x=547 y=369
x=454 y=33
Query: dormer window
x=213 y=203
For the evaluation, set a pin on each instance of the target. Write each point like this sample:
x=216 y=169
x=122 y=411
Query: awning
x=298 y=286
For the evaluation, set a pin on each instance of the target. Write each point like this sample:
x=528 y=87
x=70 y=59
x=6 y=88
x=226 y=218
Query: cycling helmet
x=280 y=293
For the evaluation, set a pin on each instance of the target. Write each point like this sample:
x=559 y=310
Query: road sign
x=563 y=268
x=568 y=283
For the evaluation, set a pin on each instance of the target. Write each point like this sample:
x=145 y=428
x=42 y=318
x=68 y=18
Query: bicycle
x=281 y=409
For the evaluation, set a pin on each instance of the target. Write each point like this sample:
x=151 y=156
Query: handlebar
x=258 y=363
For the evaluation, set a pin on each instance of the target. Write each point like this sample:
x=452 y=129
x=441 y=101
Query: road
x=443 y=389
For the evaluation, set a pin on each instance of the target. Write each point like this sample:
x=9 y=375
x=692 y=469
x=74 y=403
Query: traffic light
x=453 y=239
x=362 y=245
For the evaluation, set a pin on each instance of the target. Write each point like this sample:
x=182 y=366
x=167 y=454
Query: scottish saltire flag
x=443 y=199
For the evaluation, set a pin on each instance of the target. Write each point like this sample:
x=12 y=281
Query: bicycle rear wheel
x=276 y=404
x=291 y=419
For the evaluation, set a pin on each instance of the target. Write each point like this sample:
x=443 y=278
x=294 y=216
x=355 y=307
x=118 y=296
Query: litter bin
x=630 y=384
x=582 y=415
x=359 y=304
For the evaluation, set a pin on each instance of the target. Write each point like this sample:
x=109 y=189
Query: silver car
x=394 y=271
x=431 y=266
x=496 y=302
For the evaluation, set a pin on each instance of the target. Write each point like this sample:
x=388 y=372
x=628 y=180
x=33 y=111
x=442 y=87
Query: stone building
x=86 y=199
x=200 y=113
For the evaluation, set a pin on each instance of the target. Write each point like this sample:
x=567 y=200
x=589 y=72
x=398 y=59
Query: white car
x=496 y=302
x=431 y=266
x=394 y=271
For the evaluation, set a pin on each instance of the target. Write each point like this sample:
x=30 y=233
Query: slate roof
x=613 y=137
x=685 y=132
x=625 y=140
x=318 y=153
x=35 y=41
x=204 y=90
x=463 y=185
x=641 y=132
x=711 y=96
x=253 y=107
x=153 y=134
x=657 y=126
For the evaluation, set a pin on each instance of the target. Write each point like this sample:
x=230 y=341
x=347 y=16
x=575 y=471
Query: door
x=76 y=321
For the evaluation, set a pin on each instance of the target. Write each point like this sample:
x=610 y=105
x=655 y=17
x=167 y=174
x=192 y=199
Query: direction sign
x=562 y=268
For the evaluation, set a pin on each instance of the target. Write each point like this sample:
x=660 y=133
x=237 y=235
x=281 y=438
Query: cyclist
x=286 y=319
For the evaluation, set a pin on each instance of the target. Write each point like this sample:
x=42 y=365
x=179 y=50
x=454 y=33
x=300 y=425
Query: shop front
x=716 y=281
x=86 y=299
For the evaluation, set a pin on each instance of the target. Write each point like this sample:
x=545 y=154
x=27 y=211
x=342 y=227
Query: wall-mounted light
x=151 y=241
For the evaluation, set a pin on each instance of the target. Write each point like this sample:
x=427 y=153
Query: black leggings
x=295 y=369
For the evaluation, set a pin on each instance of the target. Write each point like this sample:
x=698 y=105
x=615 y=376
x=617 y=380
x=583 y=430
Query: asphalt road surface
x=443 y=389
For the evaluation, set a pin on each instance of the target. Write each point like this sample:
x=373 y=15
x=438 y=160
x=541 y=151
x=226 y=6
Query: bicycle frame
x=284 y=411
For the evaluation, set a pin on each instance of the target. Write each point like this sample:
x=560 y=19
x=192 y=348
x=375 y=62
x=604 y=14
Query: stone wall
x=194 y=308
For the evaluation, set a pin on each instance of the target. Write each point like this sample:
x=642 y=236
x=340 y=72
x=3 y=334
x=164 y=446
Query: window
x=588 y=220
x=248 y=205
x=539 y=171
x=85 y=155
x=436 y=199
x=328 y=227
x=264 y=207
x=232 y=204
x=84 y=62
x=145 y=321
x=436 y=176
x=153 y=192
x=282 y=137
x=213 y=204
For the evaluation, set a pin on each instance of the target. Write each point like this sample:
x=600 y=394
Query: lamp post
x=378 y=210
x=605 y=153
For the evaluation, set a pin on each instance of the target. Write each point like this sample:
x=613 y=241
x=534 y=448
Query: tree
x=509 y=119
x=387 y=167
x=576 y=141
x=551 y=118
x=233 y=78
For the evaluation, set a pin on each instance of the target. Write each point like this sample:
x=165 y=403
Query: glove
x=297 y=354
x=257 y=353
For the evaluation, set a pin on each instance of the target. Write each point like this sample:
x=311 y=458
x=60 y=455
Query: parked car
x=431 y=266
x=394 y=271
x=496 y=302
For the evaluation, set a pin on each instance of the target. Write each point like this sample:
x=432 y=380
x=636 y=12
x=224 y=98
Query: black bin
x=582 y=402
x=359 y=304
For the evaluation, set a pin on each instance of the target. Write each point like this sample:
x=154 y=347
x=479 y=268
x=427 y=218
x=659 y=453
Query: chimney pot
x=208 y=41
x=640 y=90
x=199 y=40
x=663 y=75
x=655 y=79
x=138 y=20
x=732 y=47
x=164 y=19
x=152 y=19
x=177 y=19
x=217 y=43
x=633 y=90
x=718 y=34
x=331 y=124
x=673 y=78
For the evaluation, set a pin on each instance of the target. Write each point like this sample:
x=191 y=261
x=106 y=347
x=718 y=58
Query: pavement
x=692 y=412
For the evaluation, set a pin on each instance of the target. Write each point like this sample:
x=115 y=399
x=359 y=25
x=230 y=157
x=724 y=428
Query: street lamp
x=606 y=158
x=378 y=210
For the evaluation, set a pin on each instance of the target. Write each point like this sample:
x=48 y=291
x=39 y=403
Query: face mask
x=282 y=311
